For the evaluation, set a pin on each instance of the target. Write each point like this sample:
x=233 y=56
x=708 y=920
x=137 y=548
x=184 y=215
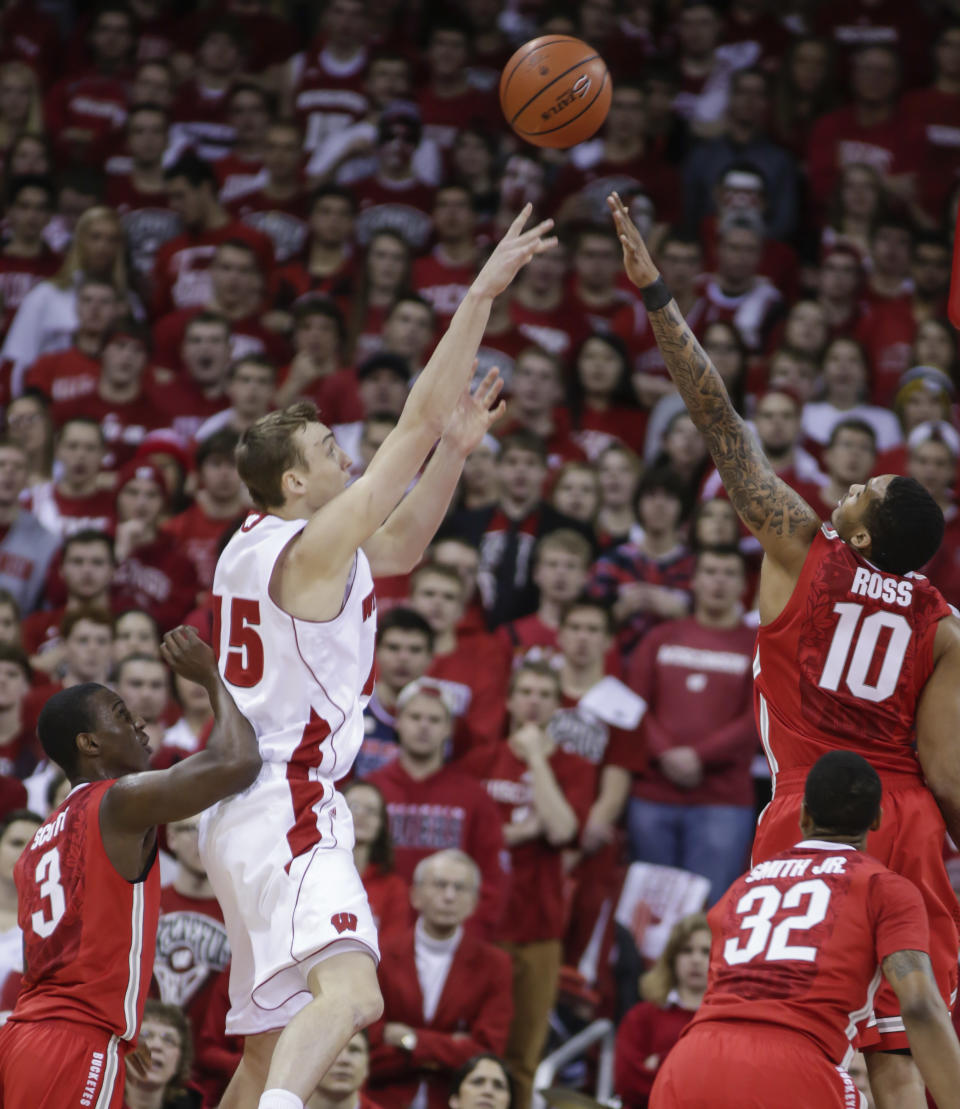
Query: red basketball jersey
x=798 y=942
x=88 y=933
x=843 y=665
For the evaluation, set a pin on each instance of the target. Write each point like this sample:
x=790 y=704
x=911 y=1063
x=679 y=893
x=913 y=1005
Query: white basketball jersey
x=302 y=684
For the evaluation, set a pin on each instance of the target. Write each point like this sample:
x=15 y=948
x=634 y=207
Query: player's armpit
x=938 y=725
x=778 y=516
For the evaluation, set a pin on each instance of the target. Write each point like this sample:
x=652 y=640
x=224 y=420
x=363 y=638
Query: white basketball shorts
x=283 y=914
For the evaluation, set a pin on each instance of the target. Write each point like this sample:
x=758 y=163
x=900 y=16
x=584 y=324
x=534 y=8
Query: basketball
x=555 y=91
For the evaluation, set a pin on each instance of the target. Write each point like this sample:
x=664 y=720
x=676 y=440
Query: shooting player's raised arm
x=779 y=517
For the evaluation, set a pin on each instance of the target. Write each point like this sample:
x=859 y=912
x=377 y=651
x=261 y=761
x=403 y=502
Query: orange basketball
x=555 y=91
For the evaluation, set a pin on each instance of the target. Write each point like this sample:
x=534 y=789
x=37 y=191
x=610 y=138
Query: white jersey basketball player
x=295 y=621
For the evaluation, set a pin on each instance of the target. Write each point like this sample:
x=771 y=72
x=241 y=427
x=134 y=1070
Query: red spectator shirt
x=535 y=909
x=247 y=336
x=442 y=283
x=644 y=1039
x=389 y=898
x=837 y=140
x=18 y=276
x=88 y=933
x=597 y=179
x=444 y=116
x=198 y=537
x=336 y=396
x=887 y=329
x=557 y=330
x=798 y=943
x=30 y=36
x=124 y=424
x=65 y=515
x=698 y=686
x=328 y=95
x=843 y=665
x=147 y=220
x=192 y=952
x=561 y=446
x=583 y=733
x=181 y=277
x=475 y=675
x=238 y=176
x=64 y=375
x=40 y=631
x=401 y=206
x=598 y=428
x=449 y=809
x=157 y=577
x=88 y=102
x=934 y=118
x=183 y=406
x=286 y=223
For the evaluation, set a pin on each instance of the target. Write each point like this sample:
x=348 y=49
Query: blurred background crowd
x=212 y=212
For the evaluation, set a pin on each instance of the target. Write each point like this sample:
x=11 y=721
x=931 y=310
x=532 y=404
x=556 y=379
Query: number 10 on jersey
x=863 y=678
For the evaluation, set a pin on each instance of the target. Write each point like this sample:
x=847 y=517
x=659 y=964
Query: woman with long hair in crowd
x=166 y=1032
x=602 y=403
x=935 y=344
x=21 y=103
x=856 y=205
x=387 y=892
x=47 y=317
x=483 y=1082
x=618 y=470
x=685 y=452
x=385 y=274
x=805 y=90
x=672 y=990
x=846 y=385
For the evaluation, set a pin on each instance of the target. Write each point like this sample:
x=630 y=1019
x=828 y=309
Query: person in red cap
x=152 y=573
x=172 y=456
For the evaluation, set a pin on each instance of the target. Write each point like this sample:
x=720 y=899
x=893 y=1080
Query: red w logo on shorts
x=343 y=921
x=369 y=605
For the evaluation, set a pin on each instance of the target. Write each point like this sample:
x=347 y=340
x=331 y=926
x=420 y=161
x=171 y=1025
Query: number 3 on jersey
x=865 y=678
x=48 y=875
x=244 y=665
x=769 y=901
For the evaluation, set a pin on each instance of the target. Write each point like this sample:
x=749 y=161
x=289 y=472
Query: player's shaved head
x=842 y=794
x=68 y=713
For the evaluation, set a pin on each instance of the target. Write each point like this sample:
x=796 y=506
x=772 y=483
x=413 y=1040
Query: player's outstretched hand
x=187 y=655
x=636 y=258
x=512 y=253
x=475 y=414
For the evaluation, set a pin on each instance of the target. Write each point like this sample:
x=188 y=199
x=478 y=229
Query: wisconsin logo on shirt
x=344 y=921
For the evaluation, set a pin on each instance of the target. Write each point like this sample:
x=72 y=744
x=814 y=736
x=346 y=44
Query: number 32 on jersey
x=776 y=942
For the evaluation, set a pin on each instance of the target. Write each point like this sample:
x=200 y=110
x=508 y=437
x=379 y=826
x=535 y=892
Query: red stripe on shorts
x=306 y=792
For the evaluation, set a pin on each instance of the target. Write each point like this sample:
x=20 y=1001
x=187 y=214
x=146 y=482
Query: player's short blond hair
x=269 y=447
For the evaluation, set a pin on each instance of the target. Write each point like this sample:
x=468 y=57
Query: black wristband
x=656 y=295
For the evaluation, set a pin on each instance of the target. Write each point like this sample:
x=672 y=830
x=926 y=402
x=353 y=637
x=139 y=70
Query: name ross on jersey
x=50 y=831
x=867 y=583
x=795 y=868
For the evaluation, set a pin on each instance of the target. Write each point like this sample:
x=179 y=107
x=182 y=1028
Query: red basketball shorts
x=744 y=1065
x=909 y=841
x=57 y=1065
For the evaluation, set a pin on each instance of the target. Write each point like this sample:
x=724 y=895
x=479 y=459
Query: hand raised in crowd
x=476 y=412
x=512 y=253
x=529 y=742
x=636 y=258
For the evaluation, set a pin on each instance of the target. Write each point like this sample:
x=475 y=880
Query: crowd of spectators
x=210 y=212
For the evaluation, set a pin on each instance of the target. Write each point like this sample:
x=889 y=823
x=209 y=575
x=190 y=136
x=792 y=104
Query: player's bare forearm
x=767 y=505
x=398 y=545
x=438 y=388
x=933 y=1041
x=783 y=522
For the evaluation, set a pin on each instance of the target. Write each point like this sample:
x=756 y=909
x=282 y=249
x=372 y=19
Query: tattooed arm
x=933 y=1041
x=779 y=517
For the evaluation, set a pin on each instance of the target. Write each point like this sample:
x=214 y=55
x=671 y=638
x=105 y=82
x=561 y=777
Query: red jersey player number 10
x=855 y=647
